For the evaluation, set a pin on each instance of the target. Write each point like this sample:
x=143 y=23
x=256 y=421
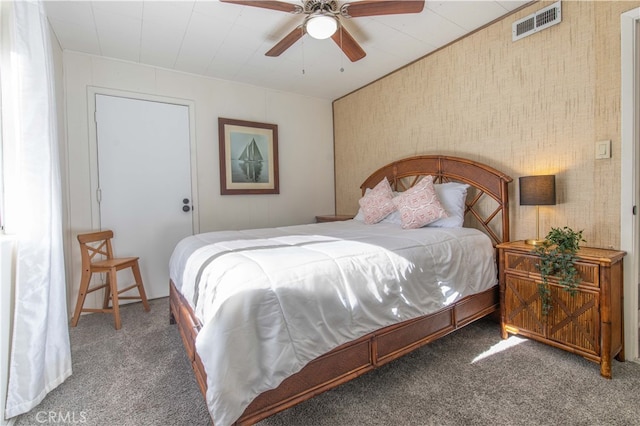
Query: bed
x=314 y=351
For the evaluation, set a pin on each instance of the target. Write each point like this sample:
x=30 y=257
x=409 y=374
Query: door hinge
x=99 y=195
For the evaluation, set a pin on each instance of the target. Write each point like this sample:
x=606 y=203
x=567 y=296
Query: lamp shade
x=321 y=26
x=538 y=190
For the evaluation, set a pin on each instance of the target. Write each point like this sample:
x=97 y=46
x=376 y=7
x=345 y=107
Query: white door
x=630 y=177
x=144 y=178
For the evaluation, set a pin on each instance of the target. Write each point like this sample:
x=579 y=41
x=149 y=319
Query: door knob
x=186 y=208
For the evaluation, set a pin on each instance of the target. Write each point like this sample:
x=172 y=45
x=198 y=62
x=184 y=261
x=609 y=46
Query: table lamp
x=537 y=191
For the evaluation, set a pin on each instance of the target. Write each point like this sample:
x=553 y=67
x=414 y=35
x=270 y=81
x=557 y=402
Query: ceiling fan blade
x=348 y=44
x=287 y=41
x=273 y=5
x=374 y=7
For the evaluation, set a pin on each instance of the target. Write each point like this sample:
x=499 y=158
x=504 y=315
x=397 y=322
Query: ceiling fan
x=322 y=19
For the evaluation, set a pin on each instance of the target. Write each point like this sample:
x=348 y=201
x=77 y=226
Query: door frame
x=92 y=91
x=629 y=175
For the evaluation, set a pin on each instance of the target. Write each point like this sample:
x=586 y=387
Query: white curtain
x=40 y=351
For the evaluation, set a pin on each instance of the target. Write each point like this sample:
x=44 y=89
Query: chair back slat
x=95 y=244
x=100 y=249
x=95 y=236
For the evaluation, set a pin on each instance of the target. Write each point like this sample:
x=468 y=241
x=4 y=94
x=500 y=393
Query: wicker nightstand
x=588 y=323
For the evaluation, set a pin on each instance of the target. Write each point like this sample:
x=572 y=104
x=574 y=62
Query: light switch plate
x=603 y=149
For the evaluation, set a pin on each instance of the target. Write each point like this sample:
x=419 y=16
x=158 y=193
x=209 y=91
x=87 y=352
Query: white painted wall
x=305 y=143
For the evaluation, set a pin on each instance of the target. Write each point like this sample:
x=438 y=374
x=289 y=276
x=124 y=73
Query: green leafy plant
x=558 y=254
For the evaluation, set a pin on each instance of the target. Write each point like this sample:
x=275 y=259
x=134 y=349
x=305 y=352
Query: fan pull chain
x=341 y=53
x=302 y=30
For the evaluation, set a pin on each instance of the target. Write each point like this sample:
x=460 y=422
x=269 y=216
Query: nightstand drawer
x=571 y=322
x=525 y=265
x=522 y=305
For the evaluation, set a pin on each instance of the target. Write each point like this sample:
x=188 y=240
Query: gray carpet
x=140 y=376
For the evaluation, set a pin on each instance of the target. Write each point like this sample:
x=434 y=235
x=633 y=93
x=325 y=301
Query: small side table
x=588 y=323
x=333 y=217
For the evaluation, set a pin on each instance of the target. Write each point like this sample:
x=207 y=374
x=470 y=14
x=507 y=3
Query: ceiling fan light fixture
x=321 y=25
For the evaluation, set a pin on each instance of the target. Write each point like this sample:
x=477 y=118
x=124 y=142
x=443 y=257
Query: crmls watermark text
x=62 y=417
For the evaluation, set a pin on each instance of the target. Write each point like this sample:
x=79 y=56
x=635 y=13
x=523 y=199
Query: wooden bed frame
x=375 y=349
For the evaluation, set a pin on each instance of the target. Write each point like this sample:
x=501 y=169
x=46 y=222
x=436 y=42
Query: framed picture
x=248 y=157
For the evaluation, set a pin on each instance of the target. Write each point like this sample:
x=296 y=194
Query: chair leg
x=107 y=295
x=82 y=294
x=138 y=277
x=113 y=283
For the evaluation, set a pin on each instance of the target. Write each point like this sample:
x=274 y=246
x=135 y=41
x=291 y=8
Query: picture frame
x=248 y=157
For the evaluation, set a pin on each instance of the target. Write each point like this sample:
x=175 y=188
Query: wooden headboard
x=486 y=183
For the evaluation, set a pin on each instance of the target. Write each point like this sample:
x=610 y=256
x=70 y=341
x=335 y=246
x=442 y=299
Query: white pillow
x=452 y=196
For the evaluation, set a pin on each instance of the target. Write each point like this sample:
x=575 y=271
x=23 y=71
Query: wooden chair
x=99 y=243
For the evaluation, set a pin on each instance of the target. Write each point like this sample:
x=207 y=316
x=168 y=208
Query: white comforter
x=271 y=300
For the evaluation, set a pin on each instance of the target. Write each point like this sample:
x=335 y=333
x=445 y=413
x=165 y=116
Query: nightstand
x=333 y=217
x=588 y=323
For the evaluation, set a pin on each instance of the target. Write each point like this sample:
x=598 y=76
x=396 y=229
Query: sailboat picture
x=251 y=152
x=248 y=167
x=248 y=157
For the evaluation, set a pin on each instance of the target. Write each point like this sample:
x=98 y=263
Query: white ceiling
x=228 y=41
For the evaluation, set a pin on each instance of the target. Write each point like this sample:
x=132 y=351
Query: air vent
x=544 y=18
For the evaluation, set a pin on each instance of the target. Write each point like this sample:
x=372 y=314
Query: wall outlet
x=603 y=149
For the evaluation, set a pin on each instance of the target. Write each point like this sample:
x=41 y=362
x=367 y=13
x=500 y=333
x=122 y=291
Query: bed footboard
x=189 y=326
x=345 y=362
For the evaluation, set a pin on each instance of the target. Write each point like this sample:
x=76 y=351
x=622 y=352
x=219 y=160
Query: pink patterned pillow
x=419 y=205
x=377 y=203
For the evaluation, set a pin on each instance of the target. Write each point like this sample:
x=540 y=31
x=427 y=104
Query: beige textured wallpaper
x=534 y=106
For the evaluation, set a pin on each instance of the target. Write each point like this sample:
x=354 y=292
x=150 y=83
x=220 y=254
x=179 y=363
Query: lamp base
x=533 y=242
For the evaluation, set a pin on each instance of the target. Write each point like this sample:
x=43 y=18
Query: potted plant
x=558 y=254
